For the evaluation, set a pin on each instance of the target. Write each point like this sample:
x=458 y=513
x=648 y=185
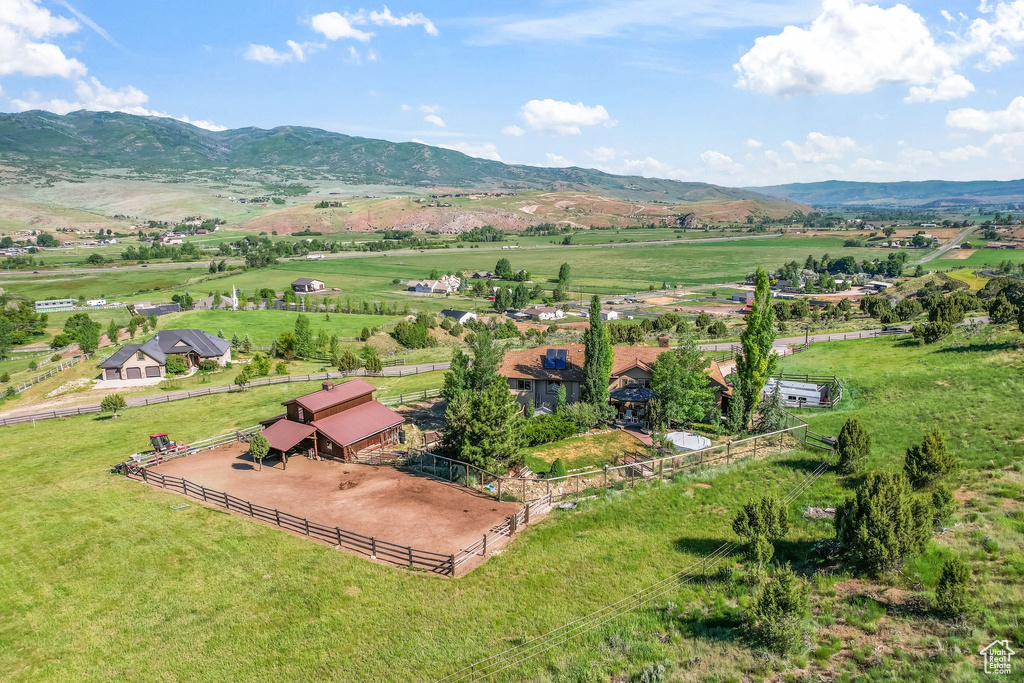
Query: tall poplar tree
x=598 y=357
x=758 y=362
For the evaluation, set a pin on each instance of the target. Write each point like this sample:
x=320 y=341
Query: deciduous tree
x=681 y=382
x=758 y=361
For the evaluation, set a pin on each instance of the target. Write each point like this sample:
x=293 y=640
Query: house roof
x=452 y=313
x=158 y=309
x=120 y=356
x=305 y=281
x=358 y=423
x=339 y=393
x=633 y=393
x=284 y=434
x=537 y=310
x=183 y=341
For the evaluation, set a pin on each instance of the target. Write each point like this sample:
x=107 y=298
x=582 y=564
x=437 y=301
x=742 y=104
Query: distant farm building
x=307 y=284
x=51 y=305
x=461 y=317
x=799 y=394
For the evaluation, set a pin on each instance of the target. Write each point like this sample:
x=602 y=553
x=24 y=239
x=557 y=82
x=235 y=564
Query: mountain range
x=925 y=194
x=86 y=141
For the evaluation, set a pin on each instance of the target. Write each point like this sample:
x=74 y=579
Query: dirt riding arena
x=396 y=506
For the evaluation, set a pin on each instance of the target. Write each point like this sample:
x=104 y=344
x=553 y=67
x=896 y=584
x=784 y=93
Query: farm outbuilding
x=799 y=394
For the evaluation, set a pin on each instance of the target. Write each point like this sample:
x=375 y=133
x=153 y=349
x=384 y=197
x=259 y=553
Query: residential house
x=545 y=313
x=135 y=361
x=170 y=238
x=339 y=421
x=446 y=285
x=609 y=314
x=461 y=317
x=307 y=284
x=483 y=275
x=147 y=309
x=744 y=297
x=536 y=374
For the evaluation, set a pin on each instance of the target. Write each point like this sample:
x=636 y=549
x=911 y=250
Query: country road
x=944 y=248
x=368 y=254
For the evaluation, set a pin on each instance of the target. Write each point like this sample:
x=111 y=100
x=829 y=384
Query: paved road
x=944 y=248
x=369 y=254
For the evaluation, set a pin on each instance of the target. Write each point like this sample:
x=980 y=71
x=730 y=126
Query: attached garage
x=152 y=371
x=112 y=373
x=133 y=373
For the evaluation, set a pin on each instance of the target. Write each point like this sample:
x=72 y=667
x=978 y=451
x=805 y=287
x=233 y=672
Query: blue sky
x=736 y=92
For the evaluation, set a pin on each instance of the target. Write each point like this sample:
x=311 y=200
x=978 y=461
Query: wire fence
x=509 y=659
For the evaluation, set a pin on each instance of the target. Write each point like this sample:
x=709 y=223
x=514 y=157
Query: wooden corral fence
x=60 y=367
x=734 y=350
x=637 y=468
x=370 y=546
x=139 y=401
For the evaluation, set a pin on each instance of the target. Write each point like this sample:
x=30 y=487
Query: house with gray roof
x=149 y=359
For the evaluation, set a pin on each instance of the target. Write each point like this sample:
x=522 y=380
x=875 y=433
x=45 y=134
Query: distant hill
x=934 y=193
x=83 y=143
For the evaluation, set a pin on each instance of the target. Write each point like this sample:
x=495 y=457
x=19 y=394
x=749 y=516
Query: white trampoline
x=688 y=441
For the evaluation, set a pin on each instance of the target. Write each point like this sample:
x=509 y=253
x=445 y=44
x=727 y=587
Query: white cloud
x=953 y=87
x=405 y=107
x=649 y=167
x=556 y=117
x=513 y=130
x=354 y=56
x=850 y=47
x=818 y=147
x=25 y=27
x=754 y=144
x=483 y=150
x=961 y=154
x=602 y=154
x=551 y=159
x=719 y=163
x=988 y=36
x=334 y=26
x=371 y=55
x=434 y=119
x=386 y=18
x=430 y=108
x=268 y=55
x=94 y=96
x=1009 y=119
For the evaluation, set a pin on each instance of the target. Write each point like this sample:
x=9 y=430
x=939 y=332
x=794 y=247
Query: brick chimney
x=328 y=386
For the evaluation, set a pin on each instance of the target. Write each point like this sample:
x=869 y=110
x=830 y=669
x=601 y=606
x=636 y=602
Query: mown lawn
x=264 y=326
x=102 y=579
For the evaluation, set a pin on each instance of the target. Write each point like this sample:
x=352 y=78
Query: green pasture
x=264 y=326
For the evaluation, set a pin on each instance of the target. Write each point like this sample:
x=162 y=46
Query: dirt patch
x=942 y=383
x=392 y=505
x=963 y=495
x=956 y=254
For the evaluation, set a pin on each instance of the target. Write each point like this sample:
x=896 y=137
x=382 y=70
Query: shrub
x=853 y=446
x=557 y=469
x=348 y=362
x=10 y=393
x=943 y=506
x=951 y=598
x=542 y=429
x=882 y=524
x=931 y=332
x=207 y=365
x=775 y=617
x=281 y=368
x=259 y=448
x=583 y=415
x=176 y=365
x=54 y=358
x=928 y=462
x=759 y=523
x=260 y=365
x=5 y=377
x=717 y=329
x=32 y=365
x=373 y=364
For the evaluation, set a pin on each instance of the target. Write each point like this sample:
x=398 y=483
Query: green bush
x=951 y=598
x=281 y=368
x=542 y=429
x=557 y=469
x=775 y=618
x=583 y=415
x=348 y=362
x=926 y=463
x=207 y=365
x=176 y=365
x=943 y=506
x=5 y=377
x=883 y=524
x=32 y=365
x=853 y=446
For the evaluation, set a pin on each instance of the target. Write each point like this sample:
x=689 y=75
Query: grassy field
x=981 y=259
x=585 y=452
x=263 y=326
x=595 y=269
x=102 y=578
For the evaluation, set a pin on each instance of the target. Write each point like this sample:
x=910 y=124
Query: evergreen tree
x=771 y=412
x=493 y=437
x=759 y=523
x=681 y=382
x=927 y=462
x=951 y=597
x=853 y=446
x=882 y=524
x=758 y=361
x=734 y=412
x=113 y=332
x=457 y=379
x=303 y=337
x=560 y=399
x=486 y=359
x=246 y=345
x=598 y=357
x=348 y=362
x=775 y=617
x=235 y=341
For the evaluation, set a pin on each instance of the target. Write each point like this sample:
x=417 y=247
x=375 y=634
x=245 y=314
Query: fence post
x=524 y=490
x=606 y=475
x=250 y=507
x=409 y=548
x=373 y=547
x=526 y=515
x=337 y=531
x=499 y=489
x=451 y=565
x=203 y=490
x=755 y=448
x=484 y=552
x=728 y=452
x=306 y=522
x=277 y=516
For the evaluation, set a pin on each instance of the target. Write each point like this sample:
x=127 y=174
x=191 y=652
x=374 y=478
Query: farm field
x=198 y=574
x=981 y=259
x=264 y=326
